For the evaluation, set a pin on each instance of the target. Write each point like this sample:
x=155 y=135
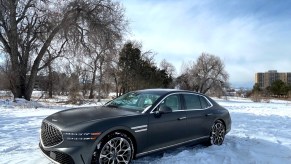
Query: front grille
x=58 y=156
x=50 y=135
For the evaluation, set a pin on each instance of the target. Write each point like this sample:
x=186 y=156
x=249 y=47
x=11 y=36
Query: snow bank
x=19 y=103
x=260 y=134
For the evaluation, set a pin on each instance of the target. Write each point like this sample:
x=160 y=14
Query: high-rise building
x=266 y=79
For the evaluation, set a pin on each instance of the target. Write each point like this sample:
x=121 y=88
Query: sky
x=249 y=36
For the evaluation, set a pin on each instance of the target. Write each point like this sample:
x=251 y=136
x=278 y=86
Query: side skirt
x=170 y=146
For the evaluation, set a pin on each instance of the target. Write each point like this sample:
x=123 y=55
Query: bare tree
x=182 y=82
x=206 y=73
x=85 y=79
x=28 y=27
x=113 y=70
x=48 y=62
x=98 y=50
x=74 y=89
x=168 y=67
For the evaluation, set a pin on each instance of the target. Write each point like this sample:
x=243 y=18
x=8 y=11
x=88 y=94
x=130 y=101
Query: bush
x=75 y=98
x=256 y=97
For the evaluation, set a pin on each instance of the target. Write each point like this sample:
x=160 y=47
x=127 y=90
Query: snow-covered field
x=260 y=134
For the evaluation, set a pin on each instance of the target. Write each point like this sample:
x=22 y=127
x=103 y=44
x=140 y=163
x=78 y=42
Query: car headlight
x=81 y=136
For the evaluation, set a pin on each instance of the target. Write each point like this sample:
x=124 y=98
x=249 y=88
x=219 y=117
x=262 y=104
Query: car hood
x=75 y=116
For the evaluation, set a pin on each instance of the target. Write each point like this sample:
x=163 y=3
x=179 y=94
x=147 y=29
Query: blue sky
x=248 y=35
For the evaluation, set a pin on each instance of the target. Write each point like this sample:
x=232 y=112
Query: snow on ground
x=260 y=134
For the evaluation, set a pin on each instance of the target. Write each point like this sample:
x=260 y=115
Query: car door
x=167 y=129
x=199 y=120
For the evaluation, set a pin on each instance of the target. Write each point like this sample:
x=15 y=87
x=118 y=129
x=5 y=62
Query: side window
x=192 y=101
x=204 y=102
x=172 y=102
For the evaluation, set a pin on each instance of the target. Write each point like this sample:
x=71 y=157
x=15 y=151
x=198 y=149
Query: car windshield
x=138 y=101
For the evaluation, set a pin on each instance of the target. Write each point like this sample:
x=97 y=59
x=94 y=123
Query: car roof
x=166 y=91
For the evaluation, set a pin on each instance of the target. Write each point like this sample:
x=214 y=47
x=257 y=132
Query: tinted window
x=192 y=101
x=172 y=102
x=204 y=102
x=134 y=100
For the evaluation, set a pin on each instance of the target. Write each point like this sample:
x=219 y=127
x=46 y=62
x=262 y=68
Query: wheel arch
x=214 y=120
x=220 y=119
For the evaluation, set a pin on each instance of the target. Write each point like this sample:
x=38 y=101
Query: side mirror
x=165 y=109
x=162 y=110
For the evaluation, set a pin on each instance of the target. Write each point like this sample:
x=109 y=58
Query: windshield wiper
x=112 y=106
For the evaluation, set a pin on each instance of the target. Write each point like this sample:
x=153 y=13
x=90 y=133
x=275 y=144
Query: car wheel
x=217 y=133
x=116 y=148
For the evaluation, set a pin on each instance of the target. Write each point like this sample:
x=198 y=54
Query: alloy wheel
x=116 y=151
x=217 y=133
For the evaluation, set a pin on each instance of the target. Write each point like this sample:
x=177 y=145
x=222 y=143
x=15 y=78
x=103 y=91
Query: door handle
x=182 y=118
x=209 y=114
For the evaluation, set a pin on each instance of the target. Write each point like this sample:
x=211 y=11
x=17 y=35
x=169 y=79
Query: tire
x=217 y=133
x=116 y=148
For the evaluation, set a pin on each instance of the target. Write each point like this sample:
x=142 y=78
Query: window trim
x=210 y=104
x=185 y=102
x=206 y=100
x=182 y=102
x=176 y=93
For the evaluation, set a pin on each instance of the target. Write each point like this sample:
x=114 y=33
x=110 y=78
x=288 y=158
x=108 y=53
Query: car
x=133 y=125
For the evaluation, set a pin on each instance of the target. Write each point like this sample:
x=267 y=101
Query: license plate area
x=53 y=155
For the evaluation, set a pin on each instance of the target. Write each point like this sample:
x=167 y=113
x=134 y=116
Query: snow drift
x=260 y=133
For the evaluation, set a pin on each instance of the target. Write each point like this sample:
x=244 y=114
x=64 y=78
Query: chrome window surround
x=177 y=93
x=210 y=104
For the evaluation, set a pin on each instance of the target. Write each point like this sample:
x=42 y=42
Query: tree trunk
x=100 y=81
x=91 y=94
x=116 y=86
x=50 y=81
x=17 y=85
x=29 y=87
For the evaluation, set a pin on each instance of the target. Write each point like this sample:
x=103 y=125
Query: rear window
x=192 y=101
x=204 y=103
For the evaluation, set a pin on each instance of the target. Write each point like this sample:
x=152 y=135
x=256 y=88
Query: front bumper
x=74 y=154
x=57 y=157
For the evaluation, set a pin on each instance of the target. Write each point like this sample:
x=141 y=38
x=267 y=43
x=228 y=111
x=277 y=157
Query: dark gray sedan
x=133 y=125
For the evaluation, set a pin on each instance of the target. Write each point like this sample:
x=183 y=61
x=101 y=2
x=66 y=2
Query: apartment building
x=266 y=79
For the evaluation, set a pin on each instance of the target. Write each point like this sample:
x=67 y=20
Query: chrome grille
x=50 y=135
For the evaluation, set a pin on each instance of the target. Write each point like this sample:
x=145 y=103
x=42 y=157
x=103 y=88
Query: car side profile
x=133 y=125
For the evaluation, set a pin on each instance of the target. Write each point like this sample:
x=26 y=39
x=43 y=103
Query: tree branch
x=53 y=58
x=23 y=14
x=5 y=43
